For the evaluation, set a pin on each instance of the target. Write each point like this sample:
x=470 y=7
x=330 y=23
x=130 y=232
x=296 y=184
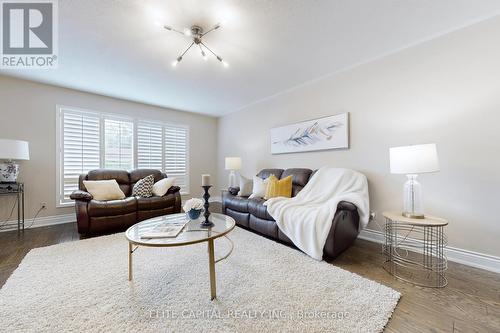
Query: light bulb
x=187 y=32
x=174 y=63
x=225 y=64
x=203 y=55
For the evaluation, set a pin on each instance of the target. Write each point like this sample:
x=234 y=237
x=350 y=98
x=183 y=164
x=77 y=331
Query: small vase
x=194 y=214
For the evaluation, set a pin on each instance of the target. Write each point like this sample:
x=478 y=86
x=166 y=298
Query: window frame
x=60 y=108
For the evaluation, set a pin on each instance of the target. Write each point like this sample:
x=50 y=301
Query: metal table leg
x=211 y=266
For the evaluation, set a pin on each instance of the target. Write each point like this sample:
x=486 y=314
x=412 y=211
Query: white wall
x=28 y=112
x=445 y=91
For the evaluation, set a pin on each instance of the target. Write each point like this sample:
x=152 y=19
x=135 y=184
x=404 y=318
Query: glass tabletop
x=191 y=233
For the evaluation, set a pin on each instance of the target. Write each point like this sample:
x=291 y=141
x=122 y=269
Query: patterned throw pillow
x=144 y=187
x=279 y=187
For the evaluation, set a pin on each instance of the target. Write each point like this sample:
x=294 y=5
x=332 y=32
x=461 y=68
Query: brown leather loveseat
x=252 y=214
x=95 y=217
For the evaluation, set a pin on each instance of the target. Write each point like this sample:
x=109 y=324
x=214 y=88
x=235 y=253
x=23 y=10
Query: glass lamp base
x=413 y=216
x=412 y=206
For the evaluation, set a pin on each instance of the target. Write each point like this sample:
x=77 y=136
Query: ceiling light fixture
x=196 y=33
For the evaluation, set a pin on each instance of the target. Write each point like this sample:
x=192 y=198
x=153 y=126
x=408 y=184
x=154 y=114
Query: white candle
x=205 y=180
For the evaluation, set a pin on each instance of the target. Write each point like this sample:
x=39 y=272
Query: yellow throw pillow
x=279 y=187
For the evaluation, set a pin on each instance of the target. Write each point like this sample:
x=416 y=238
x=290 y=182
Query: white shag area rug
x=262 y=287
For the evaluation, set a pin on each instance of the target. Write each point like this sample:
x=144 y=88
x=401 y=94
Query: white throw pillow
x=259 y=187
x=161 y=187
x=246 y=186
x=104 y=189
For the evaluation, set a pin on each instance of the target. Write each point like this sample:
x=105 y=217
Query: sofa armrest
x=81 y=195
x=233 y=190
x=345 y=205
x=173 y=189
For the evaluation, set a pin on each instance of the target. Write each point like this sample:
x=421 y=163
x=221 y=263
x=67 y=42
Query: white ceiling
x=114 y=48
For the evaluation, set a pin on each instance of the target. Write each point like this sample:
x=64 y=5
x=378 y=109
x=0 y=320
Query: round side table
x=414 y=249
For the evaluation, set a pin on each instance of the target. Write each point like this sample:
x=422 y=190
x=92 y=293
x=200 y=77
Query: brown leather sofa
x=252 y=214
x=97 y=217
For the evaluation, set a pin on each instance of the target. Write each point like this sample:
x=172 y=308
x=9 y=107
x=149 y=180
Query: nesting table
x=414 y=249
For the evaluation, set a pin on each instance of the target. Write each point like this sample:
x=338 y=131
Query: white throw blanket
x=307 y=218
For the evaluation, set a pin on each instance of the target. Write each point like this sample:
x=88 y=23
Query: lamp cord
x=34 y=217
x=2 y=225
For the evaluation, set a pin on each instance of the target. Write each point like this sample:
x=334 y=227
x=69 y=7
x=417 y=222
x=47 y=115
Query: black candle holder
x=206 y=196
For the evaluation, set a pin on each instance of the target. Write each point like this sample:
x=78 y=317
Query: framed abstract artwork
x=330 y=132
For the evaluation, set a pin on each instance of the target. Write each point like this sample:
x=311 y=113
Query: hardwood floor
x=470 y=302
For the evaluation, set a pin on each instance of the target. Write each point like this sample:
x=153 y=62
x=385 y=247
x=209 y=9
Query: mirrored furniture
x=17 y=190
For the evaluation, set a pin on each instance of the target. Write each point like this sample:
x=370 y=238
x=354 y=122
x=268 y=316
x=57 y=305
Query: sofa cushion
x=279 y=187
x=121 y=177
x=239 y=204
x=246 y=186
x=259 y=187
x=153 y=203
x=161 y=187
x=265 y=173
x=136 y=175
x=240 y=218
x=98 y=208
x=104 y=189
x=256 y=208
x=144 y=187
x=300 y=177
x=265 y=227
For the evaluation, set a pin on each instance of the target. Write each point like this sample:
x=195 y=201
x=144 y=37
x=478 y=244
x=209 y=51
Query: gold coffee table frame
x=191 y=234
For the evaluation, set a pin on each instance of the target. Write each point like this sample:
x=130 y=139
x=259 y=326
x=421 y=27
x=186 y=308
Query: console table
x=15 y=189
x=414 y=249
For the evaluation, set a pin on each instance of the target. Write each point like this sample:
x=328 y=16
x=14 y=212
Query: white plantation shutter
x=118 y=144
x=149 y=146
x=176 y=155
x=90 y=140
x=79 y=150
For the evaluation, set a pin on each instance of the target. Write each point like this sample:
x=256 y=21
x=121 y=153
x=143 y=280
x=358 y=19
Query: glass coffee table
x=192 y=233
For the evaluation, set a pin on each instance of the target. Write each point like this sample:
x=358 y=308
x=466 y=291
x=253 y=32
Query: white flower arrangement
x=194 y=203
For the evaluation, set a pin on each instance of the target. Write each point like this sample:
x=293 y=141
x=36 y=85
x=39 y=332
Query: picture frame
x=330 y=132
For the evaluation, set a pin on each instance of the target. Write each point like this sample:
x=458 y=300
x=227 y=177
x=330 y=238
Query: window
x=79 y=149
x=150 y=146
x=118 y=144
x=90 y=140
x=176 y=154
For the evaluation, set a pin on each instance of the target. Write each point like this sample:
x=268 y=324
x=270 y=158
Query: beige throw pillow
x=259 y=187
x=104 y=189
x=161 y=187
x=246 y=186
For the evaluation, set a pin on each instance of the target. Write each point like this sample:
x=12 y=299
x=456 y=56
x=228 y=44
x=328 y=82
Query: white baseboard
x=466 y=257
x=42 y=221
x=461 y=256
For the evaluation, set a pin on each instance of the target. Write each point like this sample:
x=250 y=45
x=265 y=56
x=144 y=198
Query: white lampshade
x=14 y=150
x=233 y=163
x=414 y=159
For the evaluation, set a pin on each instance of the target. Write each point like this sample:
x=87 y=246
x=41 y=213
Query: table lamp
x=232 y=164
x=413 y=160
x=11 y=150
